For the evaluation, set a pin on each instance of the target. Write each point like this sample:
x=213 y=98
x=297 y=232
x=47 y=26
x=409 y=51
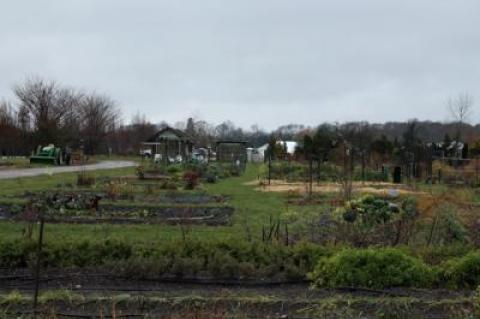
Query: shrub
x=376 y=176
x=191 y=179
x=463 y=272
x=436 y=255
x=173 y=169
x=210 y=178
x=199 y=168
x=169 y=185
x=140 y=170
x=449 y=228
x=15 y=253
x=372 y=268
x=371 y=210
x=222 y=265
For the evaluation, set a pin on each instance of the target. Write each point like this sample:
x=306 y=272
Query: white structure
x=258 y=154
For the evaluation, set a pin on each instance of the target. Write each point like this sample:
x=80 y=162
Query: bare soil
x=375 y=188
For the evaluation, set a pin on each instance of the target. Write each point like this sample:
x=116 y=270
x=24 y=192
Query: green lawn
x=252 y=210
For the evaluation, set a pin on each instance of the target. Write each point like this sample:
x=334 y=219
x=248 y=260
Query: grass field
x=350 y=254
x=252 y=210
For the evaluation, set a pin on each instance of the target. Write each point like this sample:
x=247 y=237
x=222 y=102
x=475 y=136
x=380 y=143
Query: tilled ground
x=91 y=293
x=117 y=214
x=374 y=188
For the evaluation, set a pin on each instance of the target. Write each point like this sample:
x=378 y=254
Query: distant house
x=169 y=145
x=455 y=150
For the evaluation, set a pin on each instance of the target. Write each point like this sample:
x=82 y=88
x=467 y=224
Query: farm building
x=169 y=145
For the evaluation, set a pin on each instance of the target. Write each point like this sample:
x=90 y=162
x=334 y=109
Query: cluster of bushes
x=22 y=253
x=372 y=220
x=296 y=172
x=187 y=172
x=390 y=267
x=326 y=172
x=371 y=175
x=212 y=172
x=372 y=268
x=221 y=260
x=368 y=267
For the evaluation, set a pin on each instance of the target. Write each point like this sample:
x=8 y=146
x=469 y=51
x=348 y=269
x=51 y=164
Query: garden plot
x=117 y=214
x=374 y=188
x=168 y=197
x=163 y=208
x=221 y=302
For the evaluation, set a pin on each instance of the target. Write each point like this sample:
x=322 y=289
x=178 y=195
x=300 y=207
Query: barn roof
x=169 y=133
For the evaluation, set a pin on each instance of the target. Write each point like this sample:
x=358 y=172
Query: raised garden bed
x=116 y=214
x=169 y=197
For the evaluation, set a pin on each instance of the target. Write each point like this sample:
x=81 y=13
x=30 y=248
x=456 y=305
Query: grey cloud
x=268 y=62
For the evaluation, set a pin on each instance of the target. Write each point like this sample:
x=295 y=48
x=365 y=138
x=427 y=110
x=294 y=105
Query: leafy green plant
x=463 y=272
x=140 y=171
x=191 y=179
x=446 y=227
x=372 y=268
x=169 y=185
x=369 y=210
x=13 y=297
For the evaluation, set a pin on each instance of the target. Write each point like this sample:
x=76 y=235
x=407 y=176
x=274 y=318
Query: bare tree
x=9 y=131
x=51 y=110
x=99 y=115
x=461 y=109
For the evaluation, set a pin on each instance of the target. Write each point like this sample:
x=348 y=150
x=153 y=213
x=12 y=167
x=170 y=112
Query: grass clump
x=59 y=295
x=462 y=272
x=14 y=297
x=372 y=268
x=84 y=179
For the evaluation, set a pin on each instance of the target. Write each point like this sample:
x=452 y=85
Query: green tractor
x=48 y=155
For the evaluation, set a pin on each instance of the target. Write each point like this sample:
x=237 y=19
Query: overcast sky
x=266 y=62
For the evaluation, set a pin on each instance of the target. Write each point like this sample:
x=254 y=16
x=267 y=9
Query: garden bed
x=134 y=214
x=152 y=215
x=114 y=214
x=167 y=197
x=91 y=296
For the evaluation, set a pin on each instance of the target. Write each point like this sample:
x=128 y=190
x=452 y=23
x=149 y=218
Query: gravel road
x=29 y=172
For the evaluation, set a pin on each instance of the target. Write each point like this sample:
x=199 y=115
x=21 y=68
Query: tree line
x=45 y=112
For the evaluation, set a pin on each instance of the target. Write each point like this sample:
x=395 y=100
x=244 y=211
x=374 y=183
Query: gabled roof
x=169 y=133
x=230 y=142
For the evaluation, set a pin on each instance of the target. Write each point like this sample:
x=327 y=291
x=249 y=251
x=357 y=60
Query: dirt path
x=29 y=172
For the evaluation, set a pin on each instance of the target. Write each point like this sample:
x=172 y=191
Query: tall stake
x=269 y=168
x=310 y=181
x=37 y=267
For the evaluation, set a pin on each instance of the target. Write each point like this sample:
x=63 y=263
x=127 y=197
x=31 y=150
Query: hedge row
x=212 y=259
x=390 y=267
x=325 y=266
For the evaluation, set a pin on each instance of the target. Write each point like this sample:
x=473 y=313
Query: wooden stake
x=37 y=268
